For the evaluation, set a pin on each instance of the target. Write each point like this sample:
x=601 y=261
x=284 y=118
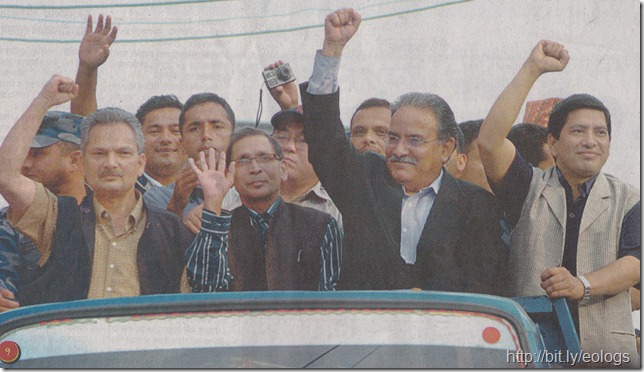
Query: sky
x=464 y=51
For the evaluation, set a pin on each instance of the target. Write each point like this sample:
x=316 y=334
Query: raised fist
x=339 y=28
x=549 y=56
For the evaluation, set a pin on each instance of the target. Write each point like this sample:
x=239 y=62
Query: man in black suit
x=408 y=223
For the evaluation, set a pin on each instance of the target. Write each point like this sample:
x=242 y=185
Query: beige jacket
x=538 y=244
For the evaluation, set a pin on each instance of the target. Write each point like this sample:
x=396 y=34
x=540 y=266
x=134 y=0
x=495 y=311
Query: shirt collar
x=270 y=212
x=151 y=180
x=584 y=188
x=433 y=187
x=316 y=191
x=135 y=215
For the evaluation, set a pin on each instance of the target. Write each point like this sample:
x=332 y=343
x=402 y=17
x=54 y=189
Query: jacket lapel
x=555 y=196
x=443 y=217
x=598 y=201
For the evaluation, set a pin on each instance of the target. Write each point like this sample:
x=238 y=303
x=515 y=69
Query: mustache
x=108 y=173
x=404 y=159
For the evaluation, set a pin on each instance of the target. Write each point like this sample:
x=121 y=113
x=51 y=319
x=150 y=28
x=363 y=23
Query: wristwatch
x=586 y=283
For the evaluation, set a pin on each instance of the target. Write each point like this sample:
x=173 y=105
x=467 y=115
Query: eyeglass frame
x=246 y=161
x=406 y=141
x=299 y=141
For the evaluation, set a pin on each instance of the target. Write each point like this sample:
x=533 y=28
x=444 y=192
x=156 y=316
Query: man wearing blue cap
x=54 y=160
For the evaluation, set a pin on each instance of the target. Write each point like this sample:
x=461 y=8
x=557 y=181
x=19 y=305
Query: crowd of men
x=105 y=203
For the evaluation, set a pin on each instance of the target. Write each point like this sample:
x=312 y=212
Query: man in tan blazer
x=576 y=230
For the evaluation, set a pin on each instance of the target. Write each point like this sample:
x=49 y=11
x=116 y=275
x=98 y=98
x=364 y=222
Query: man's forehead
x=114 y=134
x=163 y=115
x=587 y=116
x=252 y=145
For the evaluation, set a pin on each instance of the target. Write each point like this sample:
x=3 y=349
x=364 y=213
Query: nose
x=254 y=167
x=165 y=137
x=401 y=150
x=207 y=133
x=289 y=145
x=589 y=139
x=110 y=160
x=370 y=137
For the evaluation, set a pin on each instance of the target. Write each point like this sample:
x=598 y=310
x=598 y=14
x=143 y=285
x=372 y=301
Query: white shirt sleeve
x=324 y=79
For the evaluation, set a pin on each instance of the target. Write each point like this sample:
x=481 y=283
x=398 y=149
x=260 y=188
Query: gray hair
x=447 y=127
x=111 y=115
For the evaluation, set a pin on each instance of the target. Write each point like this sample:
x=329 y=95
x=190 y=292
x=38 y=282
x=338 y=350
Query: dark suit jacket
x=460 y=248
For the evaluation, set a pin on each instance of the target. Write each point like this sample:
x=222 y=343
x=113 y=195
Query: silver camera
x=281 y=75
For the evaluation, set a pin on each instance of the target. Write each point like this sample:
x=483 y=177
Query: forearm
x=85 y=102
x=206 y=259
x=16 y=144
x=335 y=161
x=18 y=190
x=615 y=277
x=496 y=151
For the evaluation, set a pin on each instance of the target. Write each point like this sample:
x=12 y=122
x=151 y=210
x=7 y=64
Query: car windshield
x=297 y=337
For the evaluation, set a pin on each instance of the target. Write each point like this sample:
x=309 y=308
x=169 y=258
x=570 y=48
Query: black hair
x=529 y=139
x=559 y=113
x=369 y=103
x=196 y=99
x=158 y=102
x=249 y=132
x=470 y=131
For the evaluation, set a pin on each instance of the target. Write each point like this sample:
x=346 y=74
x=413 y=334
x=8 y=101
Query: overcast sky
x=464 y=51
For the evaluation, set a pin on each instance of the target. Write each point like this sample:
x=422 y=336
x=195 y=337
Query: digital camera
x=278 y=76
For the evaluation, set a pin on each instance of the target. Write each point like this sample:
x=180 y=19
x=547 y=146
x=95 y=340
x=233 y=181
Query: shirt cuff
x=324 y=79
x=210 y=222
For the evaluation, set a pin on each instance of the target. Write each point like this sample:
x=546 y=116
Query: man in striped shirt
x=266 y=244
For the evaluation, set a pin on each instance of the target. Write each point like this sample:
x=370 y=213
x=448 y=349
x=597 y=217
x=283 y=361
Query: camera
x=281 y=75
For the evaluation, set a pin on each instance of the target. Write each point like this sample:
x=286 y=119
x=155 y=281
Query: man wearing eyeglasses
x=408 y=223
x=266 y=244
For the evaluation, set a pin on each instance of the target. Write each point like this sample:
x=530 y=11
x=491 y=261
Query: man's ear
x=75 y=160
x=551 y=143
x=461 y=162
x=447 y=147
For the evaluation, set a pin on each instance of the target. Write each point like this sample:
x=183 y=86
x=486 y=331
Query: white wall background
x=465 y=51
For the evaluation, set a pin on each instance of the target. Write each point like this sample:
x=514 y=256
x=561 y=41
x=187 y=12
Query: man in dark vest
x=266 y=244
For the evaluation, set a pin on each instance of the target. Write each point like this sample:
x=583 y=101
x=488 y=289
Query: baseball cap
x=58 y=126
x=284 y=116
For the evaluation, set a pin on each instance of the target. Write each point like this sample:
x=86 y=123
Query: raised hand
x=186 y=182
x=286 y=95
x=213 y=178
x=549 y=56
x=59 y=89
x=339 y=28
x=95 y=46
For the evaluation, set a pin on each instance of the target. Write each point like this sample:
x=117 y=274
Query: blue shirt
x=159 y=196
